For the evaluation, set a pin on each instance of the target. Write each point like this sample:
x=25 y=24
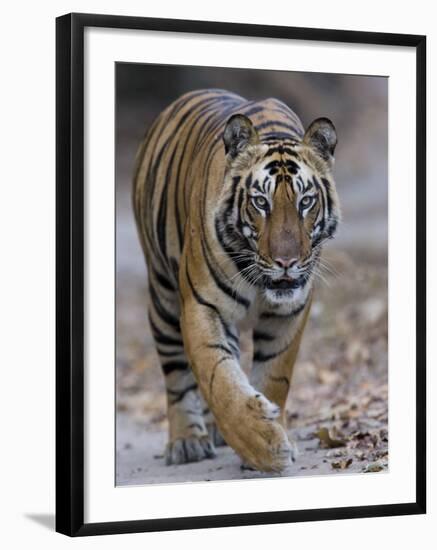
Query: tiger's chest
x=260 y=310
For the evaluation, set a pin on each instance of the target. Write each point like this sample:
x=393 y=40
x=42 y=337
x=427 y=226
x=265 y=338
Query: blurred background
x=340 y=380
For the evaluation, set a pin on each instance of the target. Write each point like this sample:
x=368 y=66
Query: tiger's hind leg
x=189 y=440
x=211 y=425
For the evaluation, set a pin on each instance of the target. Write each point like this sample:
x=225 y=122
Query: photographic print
x=240 y=255
x=251 y=274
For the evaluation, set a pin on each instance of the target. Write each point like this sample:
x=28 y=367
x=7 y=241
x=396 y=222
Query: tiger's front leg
x=276 y=342
x=247 y=420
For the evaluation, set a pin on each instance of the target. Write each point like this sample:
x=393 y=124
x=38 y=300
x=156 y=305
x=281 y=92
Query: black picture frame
x=70 y=273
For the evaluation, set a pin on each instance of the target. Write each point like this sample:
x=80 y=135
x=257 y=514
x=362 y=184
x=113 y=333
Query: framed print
x=240 y=274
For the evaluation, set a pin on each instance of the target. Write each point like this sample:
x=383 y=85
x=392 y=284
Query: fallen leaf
x=342 y=464
x=327 y=440
x=326 y=376
x=374 y=467
x=357 y=352
x=379 y=454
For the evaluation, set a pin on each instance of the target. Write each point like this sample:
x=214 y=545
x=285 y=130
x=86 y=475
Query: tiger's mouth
x=285 y=283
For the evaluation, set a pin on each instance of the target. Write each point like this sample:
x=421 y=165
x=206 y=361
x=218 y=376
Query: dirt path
x=139 y=454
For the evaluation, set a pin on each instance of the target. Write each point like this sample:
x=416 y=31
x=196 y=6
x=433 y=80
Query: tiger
x=233 y=201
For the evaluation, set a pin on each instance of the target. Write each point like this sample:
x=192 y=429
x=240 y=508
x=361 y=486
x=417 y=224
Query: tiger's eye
x=260 y=202
x=306 y=201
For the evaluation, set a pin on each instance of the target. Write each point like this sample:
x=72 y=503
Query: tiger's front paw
x=254 y=432
x=189 y=449
x=244 y=466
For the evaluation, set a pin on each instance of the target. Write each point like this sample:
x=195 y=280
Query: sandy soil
x=139 y=453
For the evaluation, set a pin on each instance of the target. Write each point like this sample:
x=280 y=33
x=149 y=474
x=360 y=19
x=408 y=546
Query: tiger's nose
x=285 y=262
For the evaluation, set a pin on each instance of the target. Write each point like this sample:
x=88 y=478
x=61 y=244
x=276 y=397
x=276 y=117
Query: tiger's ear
x=239 y=133
x=322 y=136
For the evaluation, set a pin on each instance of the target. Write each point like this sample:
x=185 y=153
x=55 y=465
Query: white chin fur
x=285 y=297
x=278 y=296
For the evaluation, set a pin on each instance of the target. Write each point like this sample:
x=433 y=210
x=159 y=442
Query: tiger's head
x=279 y=205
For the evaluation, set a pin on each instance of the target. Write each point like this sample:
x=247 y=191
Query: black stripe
x=300 y=183
x=169 y=353
x=172 y=366
x=231 y=199
x=248 y=181
x=221 y=284
x=161 y=220
x=281 y=150
x=179 y=395
x=272 y=315
x=165 y=315
x=328 y=195
x=277 y=136
x=203 y=302
x=278 y=123
x=258 y=335
x=211 y=380
x=240 y=263
x=284 y=109
x=259 y=187
x=239 y=207
x=235 y=349
x=251 y=219
x=198 y=297
x=221 y=347
x=319 y=187
x=233 y=337
x=162 y=279
x=253 y=111
x=162 y=338
x=248 y=109
x=260 y=357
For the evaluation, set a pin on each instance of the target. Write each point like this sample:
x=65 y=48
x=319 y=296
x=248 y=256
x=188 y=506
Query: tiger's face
x=280 y=205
